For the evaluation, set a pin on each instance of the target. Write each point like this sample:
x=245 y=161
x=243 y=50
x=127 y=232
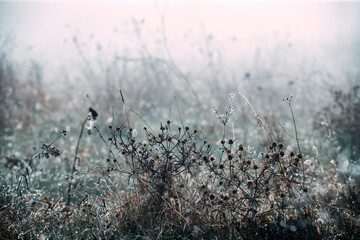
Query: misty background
x=272 y=34
x=83 y=52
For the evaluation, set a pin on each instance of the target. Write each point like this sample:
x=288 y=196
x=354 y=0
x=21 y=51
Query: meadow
x=140 y=146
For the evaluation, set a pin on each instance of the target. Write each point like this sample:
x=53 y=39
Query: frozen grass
x=121 y=170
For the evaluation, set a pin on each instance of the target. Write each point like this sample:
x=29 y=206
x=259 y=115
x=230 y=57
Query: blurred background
x=59 y=58
x=245 y=72
x=241 y=34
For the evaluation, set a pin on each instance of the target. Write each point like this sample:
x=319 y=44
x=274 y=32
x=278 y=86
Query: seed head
x=241 y=148
x=94 y=114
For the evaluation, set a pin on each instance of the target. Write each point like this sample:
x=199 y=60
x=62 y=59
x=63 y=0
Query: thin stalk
x=74 y=162
x=296 y=133
x=174 y=95
x=296 y=138
x=126 y=113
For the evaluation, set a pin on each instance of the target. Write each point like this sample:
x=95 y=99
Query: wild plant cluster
x=103 y=178
x=179 y=186
x=172 y=183
x=232 y=190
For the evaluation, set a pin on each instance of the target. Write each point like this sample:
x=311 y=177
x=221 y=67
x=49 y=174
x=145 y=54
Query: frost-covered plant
x=342 y=118
x=47 y=150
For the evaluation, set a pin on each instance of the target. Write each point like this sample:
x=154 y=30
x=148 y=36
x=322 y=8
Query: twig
x=293 y=118
x=74 y=162
x=126 y=113
x=174 y=95
x=289 y=100
x=262 y=121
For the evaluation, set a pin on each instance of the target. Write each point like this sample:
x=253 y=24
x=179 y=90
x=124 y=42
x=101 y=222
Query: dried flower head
x=92 y=113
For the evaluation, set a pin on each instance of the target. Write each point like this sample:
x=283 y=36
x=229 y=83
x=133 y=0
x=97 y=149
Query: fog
x=180 y=120
x=281 y=34
x=267 y=50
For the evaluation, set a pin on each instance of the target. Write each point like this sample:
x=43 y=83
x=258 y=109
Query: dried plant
x=341 y=118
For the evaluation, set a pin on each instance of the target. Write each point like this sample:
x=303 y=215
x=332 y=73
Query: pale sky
x=45 y=30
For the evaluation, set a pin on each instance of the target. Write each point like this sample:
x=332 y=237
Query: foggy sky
x=329 y=32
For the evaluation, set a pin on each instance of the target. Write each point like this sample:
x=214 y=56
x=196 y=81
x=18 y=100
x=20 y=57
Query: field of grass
x=140 y=148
